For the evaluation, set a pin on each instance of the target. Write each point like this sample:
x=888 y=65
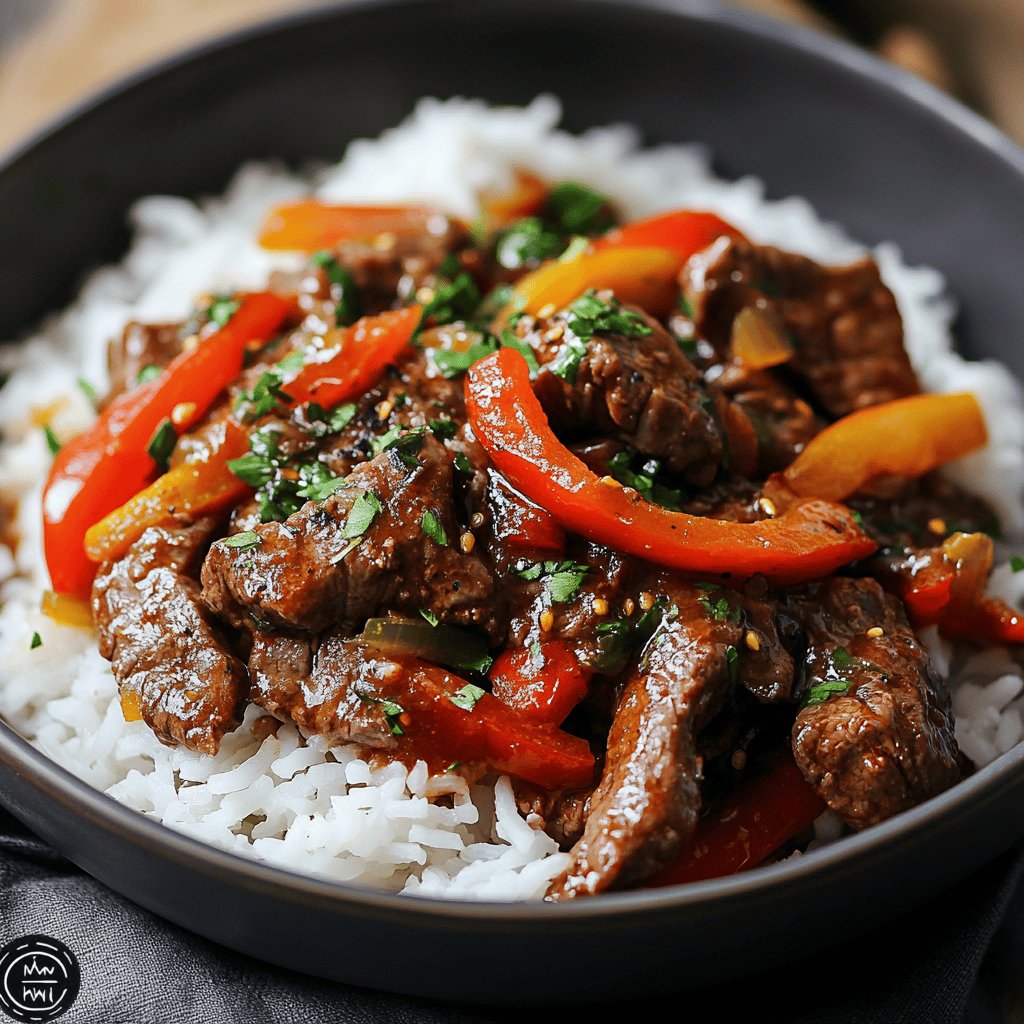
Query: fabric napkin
x=954 y=961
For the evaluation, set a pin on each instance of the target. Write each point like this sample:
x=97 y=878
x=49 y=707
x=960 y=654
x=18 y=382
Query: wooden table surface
x=54 y=52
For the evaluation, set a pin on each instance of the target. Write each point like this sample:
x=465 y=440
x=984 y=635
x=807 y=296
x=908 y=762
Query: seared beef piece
x=783 y=422
x=306 y=574
x=846 y=328
x=886 y=743
x=563 y=815
x=317 y=682
x=140 y=345
x=167 y=651
x=648 y=799
x=390 y=269
x=764 y=665
x=643 y=391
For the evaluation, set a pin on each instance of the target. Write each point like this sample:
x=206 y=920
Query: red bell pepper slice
x=685 y=232
x=103 y=467
x=545 y=685
x=810 y=540
x=987 y=621
x=480 y=728
x=520 y=523
x=749 y=825
x=366 y=348
x=308 y=225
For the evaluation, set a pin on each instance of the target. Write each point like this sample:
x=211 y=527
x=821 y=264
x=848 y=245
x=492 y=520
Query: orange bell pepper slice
x=810 y=540
x=906 y=437
x=309 y=225
x=103 y=467
x=748 y=826
x=526 y=199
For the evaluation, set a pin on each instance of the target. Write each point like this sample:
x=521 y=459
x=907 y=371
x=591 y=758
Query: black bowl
x=872 y=148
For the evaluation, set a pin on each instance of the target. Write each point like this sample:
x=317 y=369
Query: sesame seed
x=767 y=506
x=384 y=409
x=476 y=520
x=385 y=241
x=739 y=759
x=752 y=640
x=547 y=310
x=424 y=295
x=876 y=631
x=610 y=481
x=555 y=333
x=183 y=413
x=547 y=620
x=467 y=541
x=191 y=343
x=646 y=600
x=937 y=525
x=600 y=606
x=628 y=606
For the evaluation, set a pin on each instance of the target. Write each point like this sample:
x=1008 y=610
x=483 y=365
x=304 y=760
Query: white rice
x=324 y=810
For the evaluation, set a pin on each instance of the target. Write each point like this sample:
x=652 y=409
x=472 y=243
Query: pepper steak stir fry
x=644 y=516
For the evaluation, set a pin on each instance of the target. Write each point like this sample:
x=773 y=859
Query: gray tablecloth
x=956 y=960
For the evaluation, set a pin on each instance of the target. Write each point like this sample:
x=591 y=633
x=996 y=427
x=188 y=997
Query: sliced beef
x=843 y=321
x=648 y=799
x=562 y=815
x=325 y=685
x=168 y=653
x=642 y=390
x=875 y=736
x=308 y=574
x=140 y=345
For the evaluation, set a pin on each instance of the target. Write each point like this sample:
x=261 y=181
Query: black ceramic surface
x=870 y=147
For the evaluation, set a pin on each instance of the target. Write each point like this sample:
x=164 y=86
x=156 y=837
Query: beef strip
x=886 y=743
x=562 y=815
x=648 y=799
x=641 y=390
x=316 y=682
x=140 y=345
x=846 y=328
x=168 y=653
x=306 y=574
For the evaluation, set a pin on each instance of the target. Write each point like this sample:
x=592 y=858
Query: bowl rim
x=82 y=800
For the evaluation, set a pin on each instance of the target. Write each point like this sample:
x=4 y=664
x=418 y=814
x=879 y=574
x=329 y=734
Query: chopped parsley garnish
x=820 y=692
x=536 y=656
x=578 y=210
x=455 y=299
x=462 y=463
x=467 y=697
x=444 y=429
x=842 y=658
x=36 y=641
x=265 y=394
x=148 y=373
x=509 y=339
x=1017 y=563
x=567 y=362
x=362 y=514
x=527 y=241
x=243 y=541
x=452 y=363
x=51 y=439
x=732 y=657
x=685 y=306
x=720 y=610
x=344 y=290
x=562 y=580
x=322 y=489
x=688 y=346
x=320 y=423
x=406 y=443
x=222 y=309
x=431 y=525
x=89 y=391
x=429 y=616
x=493 y=303
x=643 y=480
x=589 y=315
x=162 y=443
x=857 y=517
x=392 y=711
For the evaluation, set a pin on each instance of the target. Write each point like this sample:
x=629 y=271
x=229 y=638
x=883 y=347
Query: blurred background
x=54 y=52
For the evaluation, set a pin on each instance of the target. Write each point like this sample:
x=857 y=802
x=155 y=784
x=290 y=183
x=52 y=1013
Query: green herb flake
x=321 y=485
x=36 y=641
x=527 y=242
x=509 y=339
x=821 y=692
x=345 y=292
x=451 y=363
x=720 y=610
x=457 y=299
x=467 y=697
x=243 y=541
x=429 y=616
x=536 y=657
x=1017 y=563
x=444 y=429
x=51 y=439
x=360 y=518
x=643 y=480
x=148 y=373
x=562 y=580
x=222 y=309
x=462 y=463
x=842 y=658
x=686 y=306
x=162 y=443
x=732 y=657
x=578 y=210
x=89 y=391
x=431 y=525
